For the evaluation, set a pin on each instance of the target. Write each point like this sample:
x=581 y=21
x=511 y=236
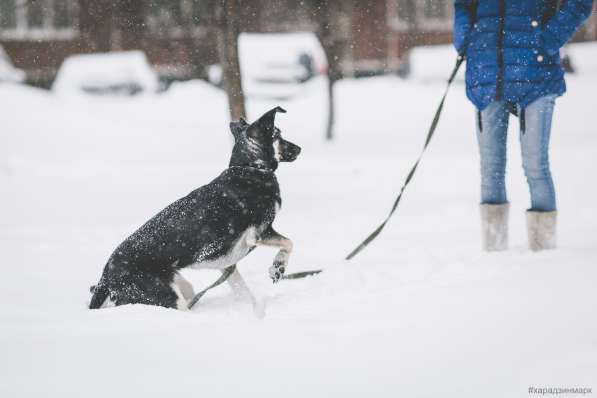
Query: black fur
x=204 y=225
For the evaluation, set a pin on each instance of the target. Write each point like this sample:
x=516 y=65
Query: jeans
x=492 y=128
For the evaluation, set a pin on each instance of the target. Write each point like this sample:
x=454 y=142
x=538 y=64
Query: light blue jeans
x=492 y=128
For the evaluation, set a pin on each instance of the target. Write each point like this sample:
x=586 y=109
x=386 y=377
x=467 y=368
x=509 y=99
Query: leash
x=228 y=271
x=225 y=274
x=410 y=175
x=299 y=275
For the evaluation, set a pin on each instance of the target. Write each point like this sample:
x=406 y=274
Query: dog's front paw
x=276 y=271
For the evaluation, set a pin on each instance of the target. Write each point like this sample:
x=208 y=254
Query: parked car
x=8 y=73
x=276 y=65
x=115 y=73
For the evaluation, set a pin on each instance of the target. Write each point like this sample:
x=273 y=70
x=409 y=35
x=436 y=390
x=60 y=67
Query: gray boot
x=494 y=224
x=541 y=228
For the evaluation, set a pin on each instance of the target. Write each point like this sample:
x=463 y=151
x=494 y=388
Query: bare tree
x=327 y=34
x=228 y=17
x=97 y=20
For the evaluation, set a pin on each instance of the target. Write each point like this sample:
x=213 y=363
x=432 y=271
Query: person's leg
x=534 y=142
x=492 y=129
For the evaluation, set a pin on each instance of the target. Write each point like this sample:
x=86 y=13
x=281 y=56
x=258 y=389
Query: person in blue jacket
x=513 y=66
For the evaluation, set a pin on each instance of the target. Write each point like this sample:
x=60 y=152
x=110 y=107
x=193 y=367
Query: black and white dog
x=214 y=226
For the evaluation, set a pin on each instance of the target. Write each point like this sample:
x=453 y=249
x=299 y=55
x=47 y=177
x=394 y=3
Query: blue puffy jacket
x=512 y=46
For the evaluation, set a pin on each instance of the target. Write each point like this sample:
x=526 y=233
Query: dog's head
x=260 y=144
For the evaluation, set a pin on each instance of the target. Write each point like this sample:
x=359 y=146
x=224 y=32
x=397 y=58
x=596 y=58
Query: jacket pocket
x=548 y=44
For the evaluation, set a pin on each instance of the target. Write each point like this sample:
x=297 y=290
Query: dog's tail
x=100 y=294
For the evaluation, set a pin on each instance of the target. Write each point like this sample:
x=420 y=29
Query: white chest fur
x=241 y=248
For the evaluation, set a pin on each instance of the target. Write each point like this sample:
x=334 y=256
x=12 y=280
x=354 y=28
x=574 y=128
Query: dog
x=215 y=226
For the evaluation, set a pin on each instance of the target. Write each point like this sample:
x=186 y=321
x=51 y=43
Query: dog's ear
x=264 y=126
x=238 y=127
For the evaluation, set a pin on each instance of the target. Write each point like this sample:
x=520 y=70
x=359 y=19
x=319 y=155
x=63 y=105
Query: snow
x=583 y=57
x=433 y=64
x=422 y=312
x=102 y=73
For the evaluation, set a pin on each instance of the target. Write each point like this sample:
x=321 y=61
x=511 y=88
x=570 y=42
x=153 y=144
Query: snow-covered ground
x=421 y=313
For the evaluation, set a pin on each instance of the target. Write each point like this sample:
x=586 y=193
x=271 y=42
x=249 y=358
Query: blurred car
x=8 y=73
x=276 y=65
x=116 y=73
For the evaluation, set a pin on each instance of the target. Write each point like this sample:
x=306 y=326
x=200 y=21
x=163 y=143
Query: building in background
x=178 y=36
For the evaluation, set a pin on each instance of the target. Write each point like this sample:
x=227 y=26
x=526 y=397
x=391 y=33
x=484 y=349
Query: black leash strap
x=228 y=271
x=303 y=274
x=410 y=175
x=225 y=274
x=299 y=275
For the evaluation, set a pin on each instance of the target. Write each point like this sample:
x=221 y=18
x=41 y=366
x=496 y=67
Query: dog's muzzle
x=289 y=151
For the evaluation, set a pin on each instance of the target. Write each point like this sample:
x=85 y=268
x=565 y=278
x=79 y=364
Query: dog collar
x=261 y=169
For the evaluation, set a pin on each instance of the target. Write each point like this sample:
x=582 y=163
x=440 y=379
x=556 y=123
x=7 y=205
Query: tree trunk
x=329 y=135
x=334 y=74
x=330 y=44
x=97 y=23
x=228 y=54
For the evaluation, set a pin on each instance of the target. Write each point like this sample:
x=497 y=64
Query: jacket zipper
x=499 y=90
